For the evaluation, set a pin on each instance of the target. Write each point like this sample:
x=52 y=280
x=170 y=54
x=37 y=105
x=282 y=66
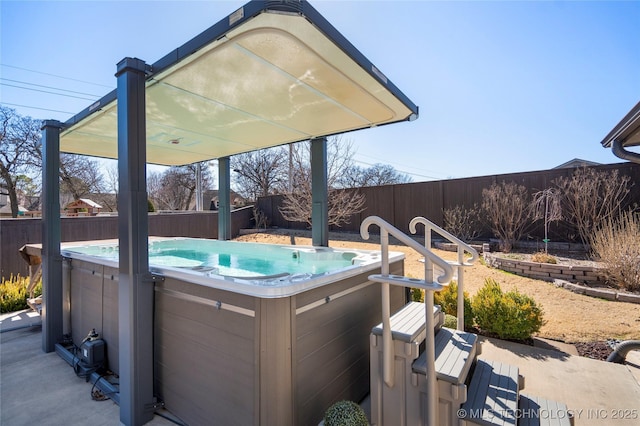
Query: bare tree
x=175 y=188
x=260 y=173
x=80 y=175
x=342 y=204
x=111 y=183
x=171 y=192
x=547 y=205
x=507 y=209
x=462 y=222
x=19 y=143
x=154 y=189
x=376 y=175
x=591 y=197
x=108 y=198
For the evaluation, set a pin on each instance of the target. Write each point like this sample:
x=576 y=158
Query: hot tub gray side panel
x=331 y=344
x=205 y=357
x=94 y=304
x=86 y=299
x=275 y=363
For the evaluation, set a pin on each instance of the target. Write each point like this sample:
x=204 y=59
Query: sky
x=502 y=86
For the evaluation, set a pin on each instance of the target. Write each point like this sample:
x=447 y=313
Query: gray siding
x=94 y=304
x=204 y=356
x=331 y=345
x=86 y=299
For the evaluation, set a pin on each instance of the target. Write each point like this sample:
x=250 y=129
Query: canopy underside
x=274 y=79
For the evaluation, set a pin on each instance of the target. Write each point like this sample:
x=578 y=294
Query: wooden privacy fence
x=15 y=233
x=398 y=204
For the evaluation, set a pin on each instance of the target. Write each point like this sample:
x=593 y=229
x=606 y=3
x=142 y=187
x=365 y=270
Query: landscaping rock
x=628 y=297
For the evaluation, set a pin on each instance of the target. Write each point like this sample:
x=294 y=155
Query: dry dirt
x=569 y=317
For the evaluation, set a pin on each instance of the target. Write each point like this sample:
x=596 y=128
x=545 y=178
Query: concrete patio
x=42 y=387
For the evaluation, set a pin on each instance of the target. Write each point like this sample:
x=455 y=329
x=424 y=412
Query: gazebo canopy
x=271 y=73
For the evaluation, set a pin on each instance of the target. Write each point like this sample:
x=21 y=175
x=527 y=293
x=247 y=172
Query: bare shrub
x=590 y=198
x=260 y=218
x=463 y=223
x=543 y=257
x=507 y=209
x=616 y=244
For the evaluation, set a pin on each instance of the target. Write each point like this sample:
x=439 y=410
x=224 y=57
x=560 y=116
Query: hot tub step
x=536 y=411
x=492 y=395
x=455 y=353
x=408 y=324
x=406 y=282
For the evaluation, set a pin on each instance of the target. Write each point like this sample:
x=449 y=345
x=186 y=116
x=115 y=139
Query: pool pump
x=91 y=356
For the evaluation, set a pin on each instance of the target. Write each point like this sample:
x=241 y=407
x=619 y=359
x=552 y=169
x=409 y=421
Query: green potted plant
x=345 y=413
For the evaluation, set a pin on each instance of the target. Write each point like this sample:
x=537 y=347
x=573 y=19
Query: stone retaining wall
x=602 y=293
x=577 y=279
x=588 y=275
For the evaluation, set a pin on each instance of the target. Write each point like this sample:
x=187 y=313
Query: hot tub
x=240 y=346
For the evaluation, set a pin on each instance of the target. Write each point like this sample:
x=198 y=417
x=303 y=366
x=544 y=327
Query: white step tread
x=493 y=394
x=455 y=352
x=409 y=322
x=536 y=411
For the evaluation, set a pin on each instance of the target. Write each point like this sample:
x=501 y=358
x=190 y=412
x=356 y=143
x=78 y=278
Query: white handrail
x=405 y=239
x=461 y=248
x=388 y=355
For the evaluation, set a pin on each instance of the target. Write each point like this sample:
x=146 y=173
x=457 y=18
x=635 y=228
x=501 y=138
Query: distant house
x=236 y=200
x=82 y=206
x=5 y=210
x=575 y=163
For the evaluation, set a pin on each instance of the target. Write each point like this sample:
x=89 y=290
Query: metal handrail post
x=461 y=263
x=460 y=323
x=430 y=347
x=387 y=349
x=388 y=354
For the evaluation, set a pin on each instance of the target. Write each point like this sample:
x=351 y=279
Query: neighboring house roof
x=91 y=203
x=576 y=162
x=7 y=209
x=83 y=202
x=213 y=193
x=627 y=131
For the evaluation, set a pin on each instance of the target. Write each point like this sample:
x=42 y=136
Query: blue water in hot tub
x=232 y=258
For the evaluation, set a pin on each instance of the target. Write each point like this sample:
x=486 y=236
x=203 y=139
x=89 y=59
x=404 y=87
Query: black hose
x=622 y=349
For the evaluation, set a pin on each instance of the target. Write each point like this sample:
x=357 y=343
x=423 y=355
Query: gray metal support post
x=319 y=193
x=135 y=293
x=52 y=327
x=224 y=199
